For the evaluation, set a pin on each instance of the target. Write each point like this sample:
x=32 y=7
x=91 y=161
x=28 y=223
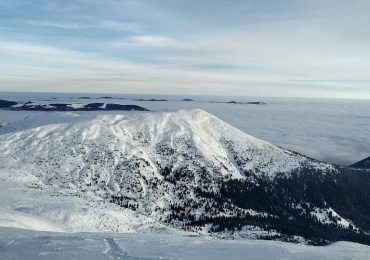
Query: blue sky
x=302 y=48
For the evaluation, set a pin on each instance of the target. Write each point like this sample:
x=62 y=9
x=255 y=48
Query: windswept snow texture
x=26 y=244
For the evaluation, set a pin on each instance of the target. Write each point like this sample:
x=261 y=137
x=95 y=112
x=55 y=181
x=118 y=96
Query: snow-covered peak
x=176 y=139
x=155 y=163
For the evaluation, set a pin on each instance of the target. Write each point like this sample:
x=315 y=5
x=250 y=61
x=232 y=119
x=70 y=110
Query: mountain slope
x=191 y=171
x=363 y=164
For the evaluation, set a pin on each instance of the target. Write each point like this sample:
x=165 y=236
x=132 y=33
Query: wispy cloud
x=17 y=48
x=144 y=41
x=121 y=26
x=111 y=25
x=151 y=40
x=90 y=69
x=60 y=25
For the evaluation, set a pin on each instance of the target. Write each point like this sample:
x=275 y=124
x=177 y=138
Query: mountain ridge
x=363 y=164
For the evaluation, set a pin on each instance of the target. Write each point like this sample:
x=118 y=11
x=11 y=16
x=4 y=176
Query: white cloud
x=148 y=41
x=152 y=40
x=60 y=25
x=16 y=48
x=112 y=25
x=121 y=26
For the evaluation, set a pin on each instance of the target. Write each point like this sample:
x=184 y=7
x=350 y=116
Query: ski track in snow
x=114 y=250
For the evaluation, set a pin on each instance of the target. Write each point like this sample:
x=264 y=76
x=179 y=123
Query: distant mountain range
x=33 y=106
x=241 y=103
x=190 y=171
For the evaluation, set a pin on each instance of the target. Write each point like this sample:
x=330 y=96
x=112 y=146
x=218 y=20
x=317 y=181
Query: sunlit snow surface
x=27 y=244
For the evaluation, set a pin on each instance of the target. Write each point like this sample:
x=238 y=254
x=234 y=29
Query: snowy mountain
x=363 y=164
x=37 y=106
x=186 y=170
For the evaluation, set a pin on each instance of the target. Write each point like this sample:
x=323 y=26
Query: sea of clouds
x=332 y=130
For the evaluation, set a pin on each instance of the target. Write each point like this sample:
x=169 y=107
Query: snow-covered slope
x=181 y=170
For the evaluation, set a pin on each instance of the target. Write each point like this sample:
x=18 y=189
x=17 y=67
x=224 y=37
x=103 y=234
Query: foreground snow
x=27 y=244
